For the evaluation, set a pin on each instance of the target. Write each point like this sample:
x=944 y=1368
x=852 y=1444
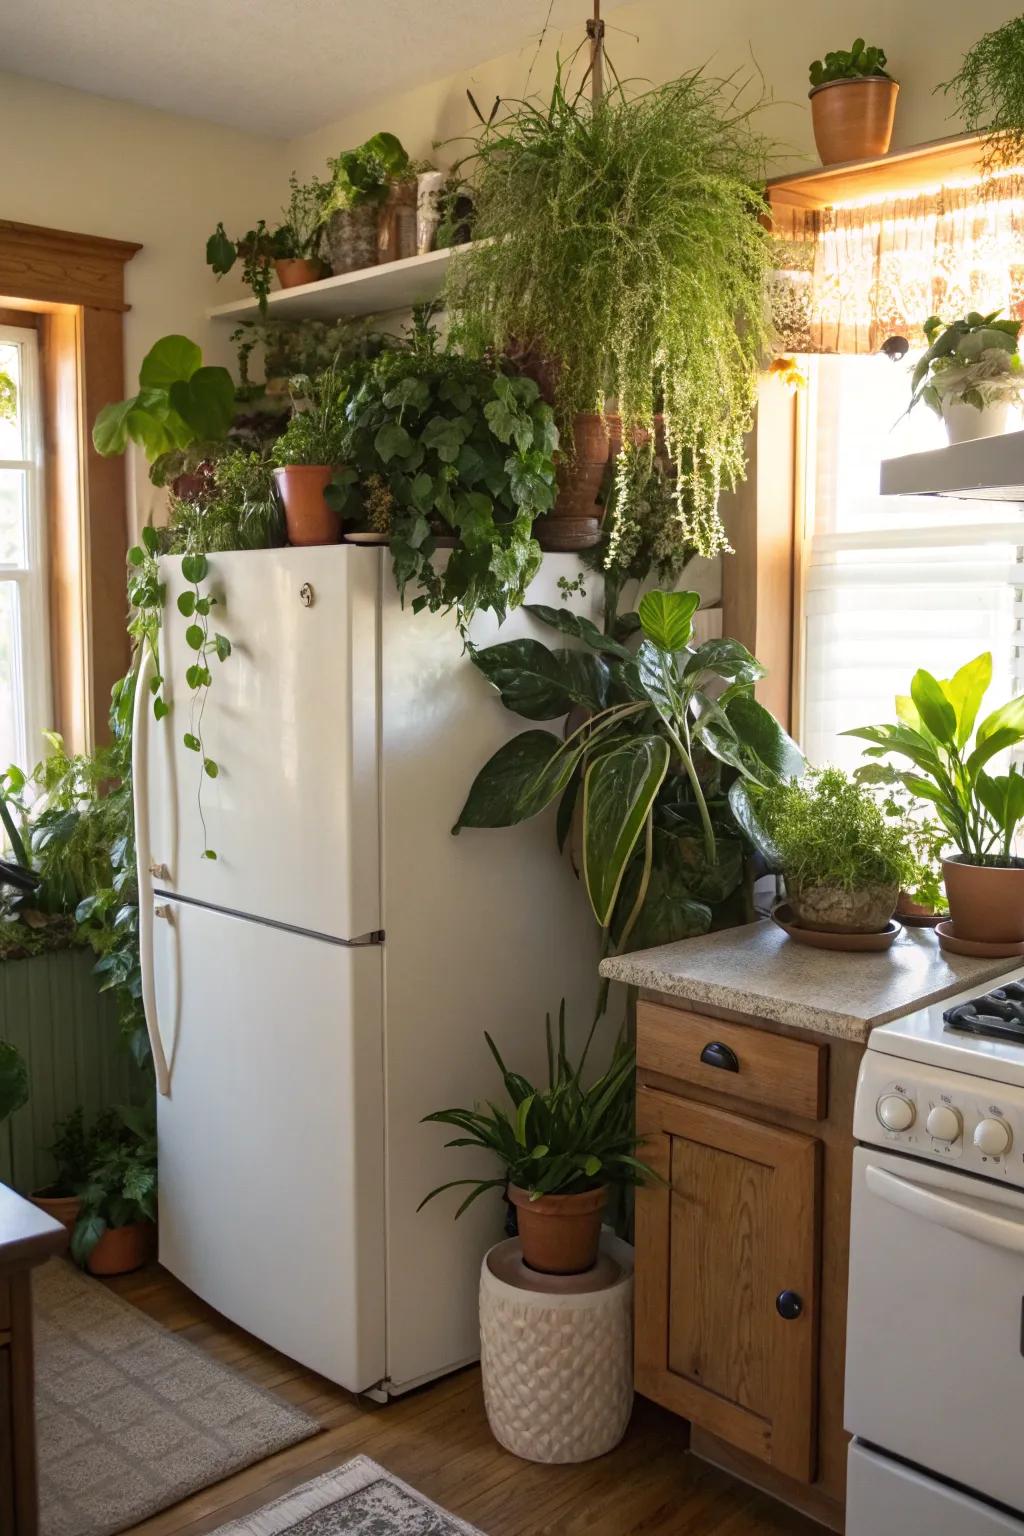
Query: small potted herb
x=308 y=454
x=853 y=104
x=843 y=863
x=361 y=181
x=560 y=1147
x=951 y=760
x=114 y=1230
x=298 y=239
x=971 y=374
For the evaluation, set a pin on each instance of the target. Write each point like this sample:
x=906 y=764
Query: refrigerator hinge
x=376 y=937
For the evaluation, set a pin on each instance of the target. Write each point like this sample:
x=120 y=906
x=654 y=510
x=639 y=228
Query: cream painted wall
x=102 y=167
x=659 y=39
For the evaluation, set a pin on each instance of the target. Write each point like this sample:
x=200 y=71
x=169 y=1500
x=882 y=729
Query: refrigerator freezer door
x=884 y=1495
x=271 y=1142
x=486 y=930
x=291 y=721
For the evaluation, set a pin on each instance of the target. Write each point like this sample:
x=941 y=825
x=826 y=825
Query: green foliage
x=120 y=1185
x=257 y=250
x=8 y=397
x=235 y=506
x=76 y=1146
x=363 y=175
x=949 y=755
x=465 y=451
x=179 y=402
x=830 y=830
x=988 y=90
x=621 y=243
x=973 y=360
x=668 y=729
x=561 y=1140
x=298 y=346
x=860 y=63
x=927 y=838
x=13 y=1080
x=318 y=430
x=302 y=221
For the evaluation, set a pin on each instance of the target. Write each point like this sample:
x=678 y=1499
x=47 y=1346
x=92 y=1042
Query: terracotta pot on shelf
x=308 y=518
x=122 y=1249
x=559 y=1233
x=986 y=902
x=832 y=909
x=293 y=271
x=63 y=1208
x=915 y=914
x=853 y=119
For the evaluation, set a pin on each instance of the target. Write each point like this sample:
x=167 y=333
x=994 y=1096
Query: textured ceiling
x=277 y=67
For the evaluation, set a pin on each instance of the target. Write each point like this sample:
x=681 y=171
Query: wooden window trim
x=70 y=287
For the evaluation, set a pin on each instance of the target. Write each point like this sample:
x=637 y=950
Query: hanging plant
x=621 y=243
x=988 y=90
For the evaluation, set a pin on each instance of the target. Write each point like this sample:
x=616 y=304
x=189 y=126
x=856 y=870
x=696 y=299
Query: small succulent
x=859 y=64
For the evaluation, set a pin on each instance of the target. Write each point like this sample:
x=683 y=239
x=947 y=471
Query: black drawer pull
x=789 y=1305
x=715 y=1054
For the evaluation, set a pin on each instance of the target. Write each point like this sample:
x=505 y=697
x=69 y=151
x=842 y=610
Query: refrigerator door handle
x=143 y=854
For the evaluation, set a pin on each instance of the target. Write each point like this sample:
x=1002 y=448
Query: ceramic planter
x=122 y=1249
x=986 y=902
x=853 y=119
x=964 y=422
x=293 y=271
x=308 y=518
x=352 y=238
x=429 y=195
x=831 y=909
x=559 y=1233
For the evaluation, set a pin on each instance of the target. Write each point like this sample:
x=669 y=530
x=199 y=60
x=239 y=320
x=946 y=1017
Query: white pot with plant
x=971 y=374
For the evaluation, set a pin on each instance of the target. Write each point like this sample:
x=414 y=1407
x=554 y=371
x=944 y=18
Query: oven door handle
x=947 y=1211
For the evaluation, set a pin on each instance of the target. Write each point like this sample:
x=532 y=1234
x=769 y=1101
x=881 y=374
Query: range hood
x=983 y=469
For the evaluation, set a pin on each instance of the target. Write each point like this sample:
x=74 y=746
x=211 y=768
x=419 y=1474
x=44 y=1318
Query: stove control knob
x=992 y=1137
x=895 y=1112
x=943 y=1123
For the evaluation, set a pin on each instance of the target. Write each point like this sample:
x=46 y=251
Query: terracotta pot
x=122 y=1249
x=831 y=909
x=559 y=1233
x=916 y=913
x=853 y=119
x=352 y=238
x=63 y=1208
x=292 y=271
x=986 y=902
x=308 y=518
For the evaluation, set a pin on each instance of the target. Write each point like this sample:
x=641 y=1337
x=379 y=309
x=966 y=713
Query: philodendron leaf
x=668 y=912
x=170 y=359
x=541 y=684
x=618 y=791
x=570 y=623
x=759 y=733
x=744 y=809
x=520 y=779
x=666 y=618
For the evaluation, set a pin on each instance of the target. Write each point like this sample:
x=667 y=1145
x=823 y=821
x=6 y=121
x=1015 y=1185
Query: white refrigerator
x=326 y=981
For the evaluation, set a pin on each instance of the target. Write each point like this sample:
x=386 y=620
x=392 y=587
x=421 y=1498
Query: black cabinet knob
x=789 y=1305
x=715 y=1054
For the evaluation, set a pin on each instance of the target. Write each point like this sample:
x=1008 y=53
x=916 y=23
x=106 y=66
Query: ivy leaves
x=196 y=605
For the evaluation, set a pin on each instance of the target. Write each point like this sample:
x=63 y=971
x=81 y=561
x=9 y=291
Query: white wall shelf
x=983 y=469
x=370 y=291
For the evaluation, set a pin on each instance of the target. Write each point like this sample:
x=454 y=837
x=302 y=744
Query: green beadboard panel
x=67 y=1031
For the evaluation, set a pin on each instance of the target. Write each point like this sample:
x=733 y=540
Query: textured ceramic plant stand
x=556 y=1352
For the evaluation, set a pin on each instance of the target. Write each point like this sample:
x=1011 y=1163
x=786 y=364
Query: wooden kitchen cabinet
x=741 y=1254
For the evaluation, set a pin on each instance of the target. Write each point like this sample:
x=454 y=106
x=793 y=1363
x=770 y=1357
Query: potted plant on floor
x=73 y=1151
x=312 y=448
x=361 y=181
x=971 y=374
x=114 y=1230
x=844 y=863
x=561 y=1148
x=853 y=104
x=951 y=757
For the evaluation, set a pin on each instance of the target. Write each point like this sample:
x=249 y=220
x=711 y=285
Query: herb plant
x=860 y=63
x=120 y=1188
x=830 y=830
x=949 y=757
x=973 y=360
x=559 y=1140
x=302 y=221
x=621 y=242
x=318 y=430
x=988 y=90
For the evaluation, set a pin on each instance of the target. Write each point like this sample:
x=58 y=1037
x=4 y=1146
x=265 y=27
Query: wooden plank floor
x=437 y=1439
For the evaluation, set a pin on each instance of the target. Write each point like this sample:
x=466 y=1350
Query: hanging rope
x=595 y=31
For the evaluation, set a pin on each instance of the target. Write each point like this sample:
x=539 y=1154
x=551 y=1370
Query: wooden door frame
x=70 y=288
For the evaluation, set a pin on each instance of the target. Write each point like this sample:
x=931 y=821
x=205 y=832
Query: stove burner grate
x=999 y=1015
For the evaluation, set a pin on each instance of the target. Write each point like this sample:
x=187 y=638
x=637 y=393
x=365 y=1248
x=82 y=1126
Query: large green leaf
x=937 y=713
x=170 y=359
x=965 y=691
x=653 y=670
x=570 y=623
x=110 y=429
x=1002 y=796
x=744 y=808
x=723 y=658
x=667 y=618
x=901 y=739
x=206 y=401
x=1008 y=717
x=13 y=1079
x=542 y=684
x=758 y=731
x=999 y=741
x=520 y=779
x=669 y=912
x=618 y=791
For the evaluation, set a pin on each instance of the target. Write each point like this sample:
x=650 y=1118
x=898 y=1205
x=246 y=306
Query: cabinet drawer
x=736 y=1059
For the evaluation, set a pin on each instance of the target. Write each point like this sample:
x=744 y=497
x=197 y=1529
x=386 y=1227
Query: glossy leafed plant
x=668 y=733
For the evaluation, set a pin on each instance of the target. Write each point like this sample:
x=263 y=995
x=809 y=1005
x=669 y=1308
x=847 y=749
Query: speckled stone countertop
x=757 y=970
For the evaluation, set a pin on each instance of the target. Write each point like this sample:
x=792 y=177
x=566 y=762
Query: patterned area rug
x=358 y=1499
x=132 y=1418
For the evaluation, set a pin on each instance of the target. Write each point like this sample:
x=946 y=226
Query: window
x=891 y=583
x=24 y=648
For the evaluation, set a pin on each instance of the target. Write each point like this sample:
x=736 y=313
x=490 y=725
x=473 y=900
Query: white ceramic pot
x=556 y=1353
x=429 y=191
x=964 y=422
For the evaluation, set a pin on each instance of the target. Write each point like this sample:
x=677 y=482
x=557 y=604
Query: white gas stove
x=935 y=1339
